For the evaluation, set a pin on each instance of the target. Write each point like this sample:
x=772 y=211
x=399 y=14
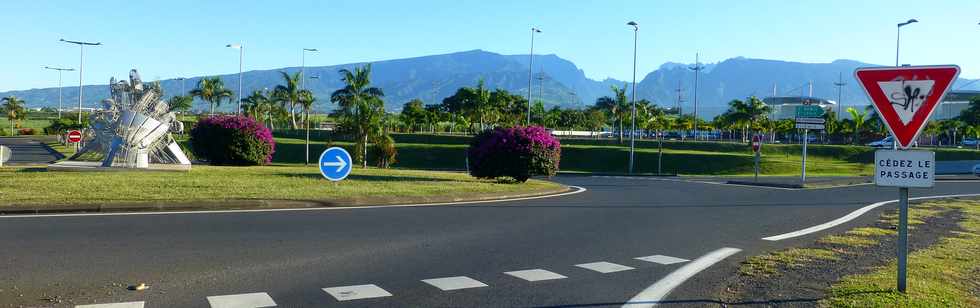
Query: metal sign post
x=757 y=148
x=806 y=140
x=808 y=117
x=905 y=98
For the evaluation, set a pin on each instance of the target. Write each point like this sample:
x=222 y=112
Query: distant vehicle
x=976 y=170
x=969 y=142
x=883 y=143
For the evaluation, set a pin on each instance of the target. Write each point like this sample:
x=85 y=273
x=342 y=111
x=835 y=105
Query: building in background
x=784 y=107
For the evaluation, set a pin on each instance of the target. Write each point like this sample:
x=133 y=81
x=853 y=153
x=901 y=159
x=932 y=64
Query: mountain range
x=556 y=81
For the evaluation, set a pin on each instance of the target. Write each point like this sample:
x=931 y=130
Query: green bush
x=518 y=153
x=3 y=132
x=59 y=126
x=232 y=140
x=383 y=151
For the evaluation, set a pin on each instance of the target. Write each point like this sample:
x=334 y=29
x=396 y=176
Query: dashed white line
x=535 y=275
x=363 y=291
x=454 y=283
x=655 y=293
x=113 y=305
x=604 y=267
x=851 y=216
x=247 y=300
x=662 y=259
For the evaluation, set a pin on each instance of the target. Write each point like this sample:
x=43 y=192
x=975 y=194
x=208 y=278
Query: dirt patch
x=807 y=283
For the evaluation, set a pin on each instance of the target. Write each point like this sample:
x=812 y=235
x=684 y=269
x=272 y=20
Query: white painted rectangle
x=662 y=259
x=247 y=300
x=363 y=291
x=896 y=168
x=809 y=126
x=536 y=275
x=454 y=283
x=604 y=267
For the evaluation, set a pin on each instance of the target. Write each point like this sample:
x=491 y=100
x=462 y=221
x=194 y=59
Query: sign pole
x=805 y=141
x=756 y=166
x=903 y=235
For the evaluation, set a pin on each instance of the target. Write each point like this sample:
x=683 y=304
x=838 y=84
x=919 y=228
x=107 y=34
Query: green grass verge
x=944 y=275
x=35 y=186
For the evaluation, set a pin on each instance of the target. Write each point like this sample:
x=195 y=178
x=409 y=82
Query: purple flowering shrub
x=232 y=140
x=517 y=152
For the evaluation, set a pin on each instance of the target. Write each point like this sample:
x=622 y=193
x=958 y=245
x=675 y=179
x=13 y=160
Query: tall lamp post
x=636 y=30
x=530 y=63
x=697 y=76
x=59 y=69
x=302 y=78
x=898 y=36
x=182 y=93
x=241 y=58
x=81 y=56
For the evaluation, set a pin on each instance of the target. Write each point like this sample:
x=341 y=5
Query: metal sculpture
x=133 y=128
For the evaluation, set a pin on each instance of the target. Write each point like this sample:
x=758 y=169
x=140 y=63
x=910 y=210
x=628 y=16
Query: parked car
x=970 y=142
x=976 y=170
x=888 y=142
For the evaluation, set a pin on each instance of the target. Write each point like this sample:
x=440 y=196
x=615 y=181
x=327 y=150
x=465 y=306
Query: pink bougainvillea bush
x=516 y=152
x=232 y=140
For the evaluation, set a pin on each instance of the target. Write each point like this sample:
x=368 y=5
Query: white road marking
x=662 y=259
x=454 y=283
x=113 y=305
x=604 y=267
x=363 y=291
x=535 y=275
x=655 y=293
x=247 y=300
x=577 y=189
x=851 y=216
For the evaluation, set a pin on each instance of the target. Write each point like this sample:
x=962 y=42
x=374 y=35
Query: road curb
x=254 y=204
x=779 y=185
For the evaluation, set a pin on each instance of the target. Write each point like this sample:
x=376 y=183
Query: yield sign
x=905 y=97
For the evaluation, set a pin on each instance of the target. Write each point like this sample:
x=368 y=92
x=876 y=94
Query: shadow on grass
x=33 y=169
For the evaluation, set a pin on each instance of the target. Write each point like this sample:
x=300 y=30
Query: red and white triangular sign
x=906 y=96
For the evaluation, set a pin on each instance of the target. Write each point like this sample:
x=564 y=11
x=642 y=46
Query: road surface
x=618 y=240
x=27 y=151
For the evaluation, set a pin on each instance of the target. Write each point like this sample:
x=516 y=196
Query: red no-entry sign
x=756 y=143
x=74 y=136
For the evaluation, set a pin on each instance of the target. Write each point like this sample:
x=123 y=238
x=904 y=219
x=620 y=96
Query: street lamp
x=898 y=36
x=241 y=57
x=181 y=85
x=59 y=69
x=302 y=67
x=81 y=55
x=636 y=30
x=530 y=63
x=308 y=116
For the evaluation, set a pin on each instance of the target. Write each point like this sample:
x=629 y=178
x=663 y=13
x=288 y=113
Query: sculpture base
x=90 y=166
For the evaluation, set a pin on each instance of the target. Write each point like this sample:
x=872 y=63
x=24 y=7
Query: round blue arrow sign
x=335 y=164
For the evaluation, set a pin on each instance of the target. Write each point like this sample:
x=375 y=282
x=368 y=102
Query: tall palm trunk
x=620 y=120
x=292 y=114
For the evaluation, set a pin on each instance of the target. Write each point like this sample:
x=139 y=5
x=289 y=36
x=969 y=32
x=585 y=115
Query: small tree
x=14 y=108
x=213 y=91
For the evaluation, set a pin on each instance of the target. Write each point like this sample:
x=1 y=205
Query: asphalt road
x=289 y=257
x=27 y=151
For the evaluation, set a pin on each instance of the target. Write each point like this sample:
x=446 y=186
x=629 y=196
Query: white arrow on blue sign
x=335 y=164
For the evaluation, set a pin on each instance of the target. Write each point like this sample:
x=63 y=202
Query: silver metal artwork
x=133 y=128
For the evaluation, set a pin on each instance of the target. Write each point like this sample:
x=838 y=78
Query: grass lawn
x=27 y=186
x=944 y=275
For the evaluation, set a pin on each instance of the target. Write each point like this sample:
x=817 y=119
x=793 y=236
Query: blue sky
x=167 y=39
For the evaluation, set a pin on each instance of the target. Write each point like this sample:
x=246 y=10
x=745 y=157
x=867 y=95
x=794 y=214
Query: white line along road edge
x=852 y=216
x=577 y=189
x=655 y=293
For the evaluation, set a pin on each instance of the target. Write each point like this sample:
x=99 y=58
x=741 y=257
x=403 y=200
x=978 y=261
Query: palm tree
x=361 y=107
x=288 y=94
x=213 y=91
x=306 y=100
x=615 y=107
x=181 y=103
x=14 y=108
x=258 y=106
x=858 y=120
x=747 y=114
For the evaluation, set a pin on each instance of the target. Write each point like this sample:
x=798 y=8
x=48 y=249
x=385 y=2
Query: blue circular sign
x=335 y=164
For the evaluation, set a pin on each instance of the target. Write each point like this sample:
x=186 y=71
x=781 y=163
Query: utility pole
x=81 y=57
x=697 y=74
x=59 y=69
x=680 y=98
x=840 y=88
x=530 y=66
